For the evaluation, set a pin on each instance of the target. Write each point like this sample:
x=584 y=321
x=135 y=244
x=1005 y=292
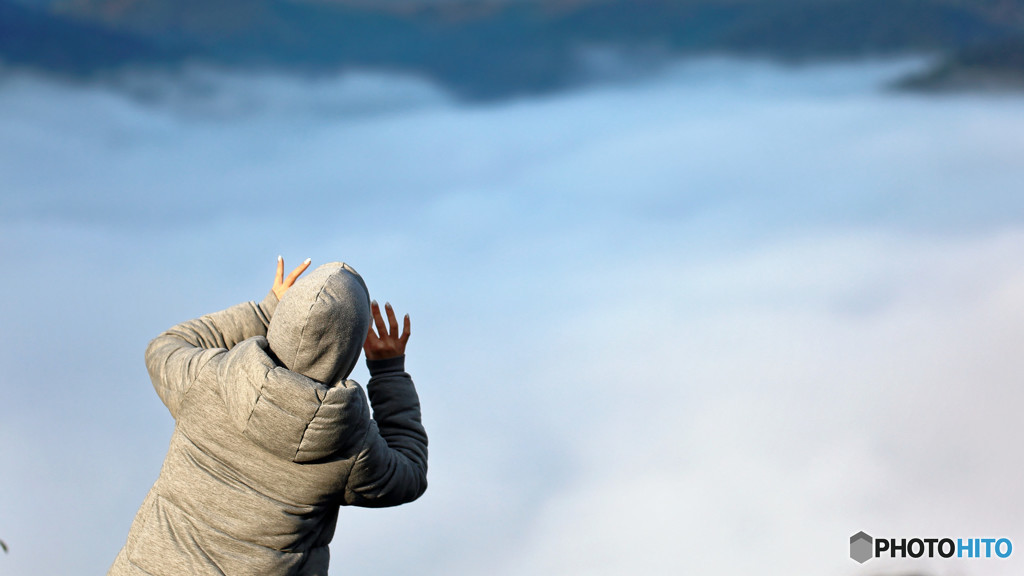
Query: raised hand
x=282 y=284
x=388 y=344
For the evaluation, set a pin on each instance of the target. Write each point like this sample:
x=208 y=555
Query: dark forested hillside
x=31 y=37
x=487 y=49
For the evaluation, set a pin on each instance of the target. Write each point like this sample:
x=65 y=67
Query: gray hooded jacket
x=271 y=438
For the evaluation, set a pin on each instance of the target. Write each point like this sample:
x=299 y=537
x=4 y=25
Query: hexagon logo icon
x=860 y=547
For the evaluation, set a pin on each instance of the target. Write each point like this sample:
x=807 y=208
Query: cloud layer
x=711 y=322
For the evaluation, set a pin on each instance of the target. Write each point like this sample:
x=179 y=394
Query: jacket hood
x=319 y=326
x=288 y=414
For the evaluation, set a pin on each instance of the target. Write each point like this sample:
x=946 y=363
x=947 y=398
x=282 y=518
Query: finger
x=406 y=330
x=378 y=319
x=371 y=338
x=392 y=321
x=280 y=270
x=295 y=273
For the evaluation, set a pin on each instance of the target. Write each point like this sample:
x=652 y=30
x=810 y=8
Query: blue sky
x=713 y=321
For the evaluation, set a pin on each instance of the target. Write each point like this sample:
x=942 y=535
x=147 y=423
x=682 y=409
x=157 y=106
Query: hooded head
x=320 y=324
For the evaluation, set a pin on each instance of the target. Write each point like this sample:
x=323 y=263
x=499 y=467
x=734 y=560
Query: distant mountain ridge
x=30 y=37
x=491 y=49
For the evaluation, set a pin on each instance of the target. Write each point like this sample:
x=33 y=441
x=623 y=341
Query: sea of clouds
x=712 y=321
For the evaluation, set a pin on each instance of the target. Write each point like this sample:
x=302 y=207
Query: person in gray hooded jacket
x=271 y=437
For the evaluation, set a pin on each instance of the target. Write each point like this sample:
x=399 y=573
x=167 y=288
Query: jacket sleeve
x=176 y=357
x=391 y=468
